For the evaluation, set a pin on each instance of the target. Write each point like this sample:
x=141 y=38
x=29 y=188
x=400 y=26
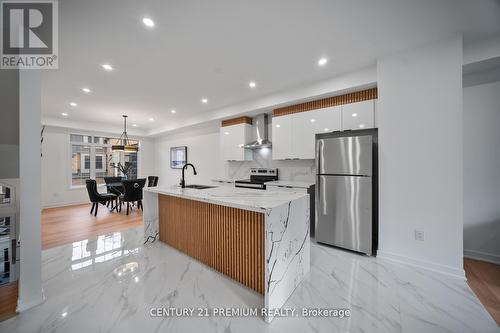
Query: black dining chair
x=152 y=181
x=132 y=193
x=98 y=198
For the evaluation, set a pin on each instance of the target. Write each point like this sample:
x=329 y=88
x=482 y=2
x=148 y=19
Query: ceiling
x=213 y=49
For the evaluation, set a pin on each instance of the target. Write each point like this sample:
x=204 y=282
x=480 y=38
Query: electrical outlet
x=419 y=235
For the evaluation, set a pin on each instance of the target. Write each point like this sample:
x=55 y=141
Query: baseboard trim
x=65 y=204
x=23 y=306
x=426 y=265
x=482 y=256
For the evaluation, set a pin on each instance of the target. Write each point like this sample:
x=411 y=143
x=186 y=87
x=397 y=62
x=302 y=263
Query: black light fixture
x=124 y=142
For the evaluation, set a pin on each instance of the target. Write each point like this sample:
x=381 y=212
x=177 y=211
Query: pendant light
x=123 y=142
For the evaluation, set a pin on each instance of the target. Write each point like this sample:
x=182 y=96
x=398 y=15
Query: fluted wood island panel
x=230 y=240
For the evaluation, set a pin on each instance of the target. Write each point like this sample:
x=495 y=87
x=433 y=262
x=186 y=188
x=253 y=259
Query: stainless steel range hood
x=260 y=133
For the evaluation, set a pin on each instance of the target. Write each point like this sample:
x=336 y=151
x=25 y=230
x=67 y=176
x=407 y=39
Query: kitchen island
x=258 y=238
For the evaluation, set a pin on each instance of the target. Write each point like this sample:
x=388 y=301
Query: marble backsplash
x=298 y=170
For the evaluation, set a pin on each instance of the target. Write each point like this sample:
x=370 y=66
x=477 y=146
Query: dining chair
x=132 y=193
x=98 y=198
x=152 y=181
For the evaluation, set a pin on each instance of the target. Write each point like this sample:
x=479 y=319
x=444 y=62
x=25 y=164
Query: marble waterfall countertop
x=249 y=199
x=286 y=231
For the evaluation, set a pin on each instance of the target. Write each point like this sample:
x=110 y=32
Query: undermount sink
x=199 y=187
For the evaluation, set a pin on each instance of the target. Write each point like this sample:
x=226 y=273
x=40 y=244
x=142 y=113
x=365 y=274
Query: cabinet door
x=305 y=126
x=282 y=137
x=358 y=115
x=232 y=139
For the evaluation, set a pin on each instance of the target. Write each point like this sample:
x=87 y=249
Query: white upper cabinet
x=232 y=139
x=358 y=115
x=282 y=137
x=293 y=136
x=305 y=125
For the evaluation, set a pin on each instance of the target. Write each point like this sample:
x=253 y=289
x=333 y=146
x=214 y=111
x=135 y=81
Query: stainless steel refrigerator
x=346 y=190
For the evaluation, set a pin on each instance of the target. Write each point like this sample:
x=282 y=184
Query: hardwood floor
x=484 y=279
x=8 y=300
x=69 y=224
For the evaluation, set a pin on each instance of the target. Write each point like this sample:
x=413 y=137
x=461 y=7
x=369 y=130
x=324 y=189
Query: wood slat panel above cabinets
x=236 y=121
x=230 y=240
x=353 y=97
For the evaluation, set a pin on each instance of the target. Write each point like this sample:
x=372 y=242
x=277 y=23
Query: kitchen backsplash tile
x=298 y=170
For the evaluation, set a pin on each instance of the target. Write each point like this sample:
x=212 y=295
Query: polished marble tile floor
x=110 y=283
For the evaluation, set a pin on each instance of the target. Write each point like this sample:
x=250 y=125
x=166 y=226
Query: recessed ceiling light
x=361 y=125
x=107 y=67
x=151 y=119
x=278 y=126
x=354 y=114
x=204 y=100
x=73 y=104
x=173 y=111
x=252 y=84
x=148 y=22
x=64 y=114
x=326 y=130
x=322 y=61
x=226 y=133
x=134 y=125
x=313 y=120
x=86 y=90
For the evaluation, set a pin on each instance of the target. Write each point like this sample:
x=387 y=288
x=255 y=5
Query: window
x=92 y=158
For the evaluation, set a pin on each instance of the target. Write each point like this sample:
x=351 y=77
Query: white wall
x=56 y=166
x=421 y=143
x=202 y=151
x=482 y=172
x=30 y=275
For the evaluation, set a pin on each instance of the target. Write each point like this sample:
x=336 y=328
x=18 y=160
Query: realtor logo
x=29 y=34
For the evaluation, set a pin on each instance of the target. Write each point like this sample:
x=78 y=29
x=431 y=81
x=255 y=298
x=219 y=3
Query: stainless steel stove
x=258 y=176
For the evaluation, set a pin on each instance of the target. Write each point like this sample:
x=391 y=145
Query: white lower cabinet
x=286 y=188
x=358 y=115
x=232 y=139
x=293 y=136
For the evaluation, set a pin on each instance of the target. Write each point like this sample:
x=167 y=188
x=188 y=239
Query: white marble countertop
x=249 y=199
x=223 y=180
x=290 y=183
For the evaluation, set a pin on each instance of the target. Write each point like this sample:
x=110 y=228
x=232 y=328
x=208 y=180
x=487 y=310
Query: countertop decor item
x=124 y=142
x=124 y=169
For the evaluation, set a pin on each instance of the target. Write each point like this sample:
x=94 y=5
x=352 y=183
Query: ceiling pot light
x=148 y=22
x=107 y=67
x=278 y=126
x=73 y=104
x=173 y=111
x=355 y=115
x=86 y=90
x=134 y=125
x=151 y=119
x=204 y=100
x=123 y=142
x=313 y=120
x=64 y=114
x=226 y=133
x=252 y=84
x=362 y=126
x=322 y=61
x=326 y=129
